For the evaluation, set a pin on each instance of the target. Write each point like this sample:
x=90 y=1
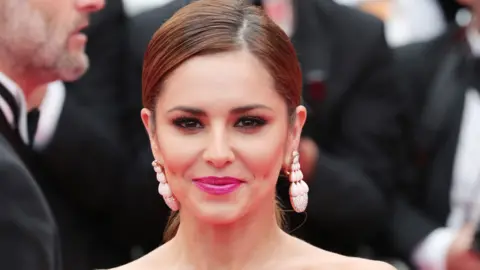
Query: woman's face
x=222 y=134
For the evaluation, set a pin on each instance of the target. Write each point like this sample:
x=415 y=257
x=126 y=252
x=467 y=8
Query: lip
x=214 y=185
x=79 y=29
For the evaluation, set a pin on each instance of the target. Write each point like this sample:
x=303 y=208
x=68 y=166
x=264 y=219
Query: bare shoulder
x=135 y=265
x=356 y=263
x=129 y=266
x=333 y=261
x=339 y=262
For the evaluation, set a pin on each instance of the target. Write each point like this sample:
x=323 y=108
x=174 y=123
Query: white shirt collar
x=17 y=93
x=473 y=38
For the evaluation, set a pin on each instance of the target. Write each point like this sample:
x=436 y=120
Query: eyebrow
x=237 y=110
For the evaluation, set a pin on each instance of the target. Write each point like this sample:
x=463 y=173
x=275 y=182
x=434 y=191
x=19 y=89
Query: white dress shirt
x=431 y=253
x=50 y=111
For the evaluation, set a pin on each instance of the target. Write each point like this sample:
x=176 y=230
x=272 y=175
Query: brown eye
x=187 y=123
x=250 y=122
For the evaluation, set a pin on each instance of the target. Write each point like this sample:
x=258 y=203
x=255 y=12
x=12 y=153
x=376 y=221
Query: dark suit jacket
x=353 y=118
x=78 y=189
x=431 y=79
x=28 y=232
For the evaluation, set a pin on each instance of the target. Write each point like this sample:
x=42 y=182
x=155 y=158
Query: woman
x=221 y=90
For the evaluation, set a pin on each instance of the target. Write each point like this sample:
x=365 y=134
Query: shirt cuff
x=432 y=252
x=50 y=111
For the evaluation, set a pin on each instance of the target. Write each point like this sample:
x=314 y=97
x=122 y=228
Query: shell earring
x=298 y=188
x=164 y=188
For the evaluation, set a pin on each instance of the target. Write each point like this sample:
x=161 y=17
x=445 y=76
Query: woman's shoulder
x=135 y=265
x=124 y=267
x=348 y=263
x=329 y=260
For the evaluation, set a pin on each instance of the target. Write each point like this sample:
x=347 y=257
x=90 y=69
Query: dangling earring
x=298 y=188
x=164 y=188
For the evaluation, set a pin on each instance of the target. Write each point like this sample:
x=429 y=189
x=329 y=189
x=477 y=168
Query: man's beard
x=71 y=67
x=30 y=45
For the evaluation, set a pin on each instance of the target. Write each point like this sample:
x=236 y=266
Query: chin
x=220 y=214
x=74 y=67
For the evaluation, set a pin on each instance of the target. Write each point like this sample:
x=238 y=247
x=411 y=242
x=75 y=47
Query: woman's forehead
x=232 y=79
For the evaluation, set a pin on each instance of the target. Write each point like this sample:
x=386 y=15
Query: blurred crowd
x=389 y=150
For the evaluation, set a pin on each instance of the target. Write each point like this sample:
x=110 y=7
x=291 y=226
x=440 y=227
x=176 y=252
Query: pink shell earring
x=298 y=188
x=164 y=188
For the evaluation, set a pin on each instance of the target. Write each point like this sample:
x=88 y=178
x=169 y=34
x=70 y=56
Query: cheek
x=178 y=152
x=259 y=155
x=262 y=155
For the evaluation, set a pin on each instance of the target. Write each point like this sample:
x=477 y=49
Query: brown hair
x=214 y=26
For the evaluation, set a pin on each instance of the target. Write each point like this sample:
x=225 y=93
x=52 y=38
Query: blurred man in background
x=40 y=42
x=436 y=212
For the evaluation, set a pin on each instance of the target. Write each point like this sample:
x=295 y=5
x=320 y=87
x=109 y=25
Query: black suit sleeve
x=27 y=229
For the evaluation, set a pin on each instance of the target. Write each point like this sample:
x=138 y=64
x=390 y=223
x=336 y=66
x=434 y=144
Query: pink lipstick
x=217 y=185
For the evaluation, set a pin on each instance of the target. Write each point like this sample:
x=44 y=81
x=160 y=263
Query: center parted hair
x=213 y=26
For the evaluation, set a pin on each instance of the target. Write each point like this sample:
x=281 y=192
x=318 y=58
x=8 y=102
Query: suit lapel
x=440 y=125
x=13 y=136
x=442 y=94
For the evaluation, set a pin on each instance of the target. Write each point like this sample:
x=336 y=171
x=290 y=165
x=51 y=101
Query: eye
x=250 y=122
x=187 y=123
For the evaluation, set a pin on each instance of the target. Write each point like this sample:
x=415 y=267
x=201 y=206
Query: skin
x=218 y=232
x=46 y=45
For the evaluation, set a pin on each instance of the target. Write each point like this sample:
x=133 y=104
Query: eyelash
x=192 y=123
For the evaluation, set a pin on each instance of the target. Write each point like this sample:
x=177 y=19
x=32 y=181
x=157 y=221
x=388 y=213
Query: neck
x=28 y=81
x=249 y=242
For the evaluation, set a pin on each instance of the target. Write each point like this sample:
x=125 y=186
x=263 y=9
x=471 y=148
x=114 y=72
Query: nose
x=218 y=152
x=90 y=6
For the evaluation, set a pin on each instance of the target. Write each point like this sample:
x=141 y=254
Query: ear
x=148 y=123
x=295 y=133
